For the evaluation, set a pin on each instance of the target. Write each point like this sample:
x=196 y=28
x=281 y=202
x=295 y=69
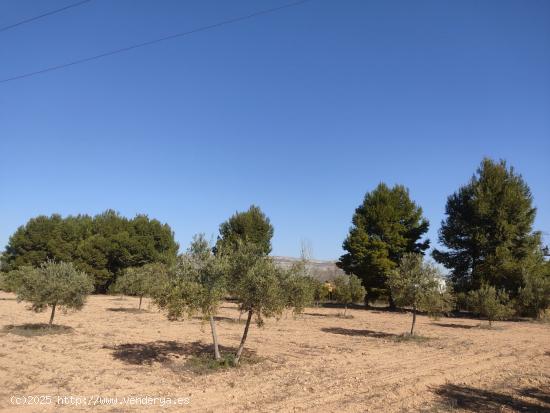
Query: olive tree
x=298 y=286
x=348 y=290
x=417 y=284
x=257 y=284
x=260 y=287
x=54 y=284
x=197 y=285
x=140 y=281
x=491 y=303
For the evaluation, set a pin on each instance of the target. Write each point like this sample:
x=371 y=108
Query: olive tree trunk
x=140 y=298
x=217 y=355
x=243 y=339
x=414 y=320
x=52 y=314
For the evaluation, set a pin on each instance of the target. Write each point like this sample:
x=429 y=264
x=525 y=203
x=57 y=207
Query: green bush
x=490 y=303
x=348 y=290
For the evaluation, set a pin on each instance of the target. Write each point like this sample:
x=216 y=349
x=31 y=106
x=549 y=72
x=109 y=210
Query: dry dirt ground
x=318 y=362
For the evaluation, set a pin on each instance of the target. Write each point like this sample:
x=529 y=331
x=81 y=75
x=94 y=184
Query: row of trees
x=103 y=246
x=487 y=234
x=238 y=266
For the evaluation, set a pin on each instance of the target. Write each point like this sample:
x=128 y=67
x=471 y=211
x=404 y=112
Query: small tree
x=321 y=291
x=54 y=284
x=197 y=286
x=348 y=290
x=416 y=284
x=298 y=287
x=490 y=302
x=140 y=281
x=260 y=293
x=261 y=288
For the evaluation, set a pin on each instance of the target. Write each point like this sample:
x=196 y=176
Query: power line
x=49 y=13
x=161 y=39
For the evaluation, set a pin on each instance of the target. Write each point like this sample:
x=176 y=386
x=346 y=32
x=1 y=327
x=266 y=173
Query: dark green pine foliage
x=488 y=230
x=386 y=225
x=102 y=246
x=251 y=227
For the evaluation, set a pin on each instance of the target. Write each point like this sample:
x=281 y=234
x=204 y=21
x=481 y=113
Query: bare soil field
x=317 y=362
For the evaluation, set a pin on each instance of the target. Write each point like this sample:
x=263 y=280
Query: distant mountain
x=320 y=269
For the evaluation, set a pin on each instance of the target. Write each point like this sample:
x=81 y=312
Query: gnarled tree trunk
x=217 y=355
x=414 y=320
x=53 y=314
x=243 y=340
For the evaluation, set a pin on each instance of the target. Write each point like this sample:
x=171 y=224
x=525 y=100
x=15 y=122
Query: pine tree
x=488 y=230
x=386 y=225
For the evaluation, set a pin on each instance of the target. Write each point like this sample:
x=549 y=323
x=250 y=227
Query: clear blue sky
x=301 y=111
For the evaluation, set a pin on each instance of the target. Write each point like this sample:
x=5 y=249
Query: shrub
x=438 y=301
x=490 y=303
x=348 y=290
x=54 y=284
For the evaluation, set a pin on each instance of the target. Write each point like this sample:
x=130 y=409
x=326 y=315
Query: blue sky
x=301 y=111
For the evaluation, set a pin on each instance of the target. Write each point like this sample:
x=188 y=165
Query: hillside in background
x=320 y=269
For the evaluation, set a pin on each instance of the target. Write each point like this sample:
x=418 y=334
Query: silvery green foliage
x=299 y=287
x=197 y=283
x=414 y=282
x=140 y=281
x=348 y=289
x=54 y=284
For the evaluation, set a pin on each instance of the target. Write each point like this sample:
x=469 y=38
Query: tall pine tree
x=488 y=231
x=386 y=225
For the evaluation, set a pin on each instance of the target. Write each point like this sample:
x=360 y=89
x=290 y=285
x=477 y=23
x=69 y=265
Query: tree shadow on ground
x=163 y=351
x=335 y=315
x=356 y=332
x=453 y=325
x=36 y=329
x=485 y=401
x=536 y=393
x=319 y=315
x=242 y=320
x=127 y=310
